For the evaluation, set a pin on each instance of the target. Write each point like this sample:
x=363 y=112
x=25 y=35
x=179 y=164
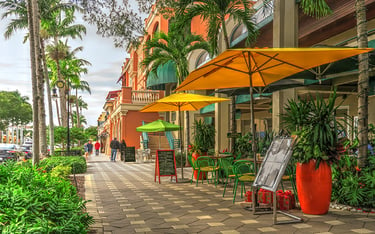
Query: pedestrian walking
x=85 y=148
x=90 y=147
x=97 y=147
x=115 y=146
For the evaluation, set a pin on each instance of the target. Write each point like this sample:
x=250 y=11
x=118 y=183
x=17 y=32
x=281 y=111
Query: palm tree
x=83 y=86
x=174 y=46
x=320 y=8
x=66 y=67
x=215 y=13
x=48 y=10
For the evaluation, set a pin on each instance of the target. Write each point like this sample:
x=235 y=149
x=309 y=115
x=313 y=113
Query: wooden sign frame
x=157 y=165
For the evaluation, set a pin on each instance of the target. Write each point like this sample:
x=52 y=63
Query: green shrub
x=33 y=201
x=61 y=171
x=77 y=163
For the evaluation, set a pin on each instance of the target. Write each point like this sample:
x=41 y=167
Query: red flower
x=357 y=168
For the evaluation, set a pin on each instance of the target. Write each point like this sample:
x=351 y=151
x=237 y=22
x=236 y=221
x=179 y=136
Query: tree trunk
x=77 y=110
x=363 y=83
x=42 y=108
x=233 y=125
x=58 y=113
x=32 y=14
x=50 y=112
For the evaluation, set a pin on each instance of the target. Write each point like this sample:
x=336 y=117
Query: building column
x=123 y=125
x=285 y=34
x=222 y=122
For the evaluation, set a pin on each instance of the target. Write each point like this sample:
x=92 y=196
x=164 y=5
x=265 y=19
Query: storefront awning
x=165 y=74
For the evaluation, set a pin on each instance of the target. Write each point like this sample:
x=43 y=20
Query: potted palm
x=316 y=128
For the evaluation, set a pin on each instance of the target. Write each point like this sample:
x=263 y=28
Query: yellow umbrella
x=260 y=67
x=181 y=102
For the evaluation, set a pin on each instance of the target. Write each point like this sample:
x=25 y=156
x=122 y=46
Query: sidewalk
x=125 y=199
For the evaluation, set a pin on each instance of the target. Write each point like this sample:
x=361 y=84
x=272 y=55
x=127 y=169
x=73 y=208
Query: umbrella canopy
x=260 y=67
x=278 y=85
x=158 y=126
x=182 y=102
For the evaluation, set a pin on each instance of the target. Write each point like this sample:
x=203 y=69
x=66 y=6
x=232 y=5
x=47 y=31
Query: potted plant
x=316 y=128
x=203 y=140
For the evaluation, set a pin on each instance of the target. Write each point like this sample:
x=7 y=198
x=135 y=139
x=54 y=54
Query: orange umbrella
x=260 y=67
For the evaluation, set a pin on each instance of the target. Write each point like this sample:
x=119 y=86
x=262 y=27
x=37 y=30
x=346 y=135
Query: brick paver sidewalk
x=125 y=200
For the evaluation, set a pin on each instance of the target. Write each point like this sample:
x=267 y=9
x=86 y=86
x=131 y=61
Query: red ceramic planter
x=314 y=187
x=194 y=157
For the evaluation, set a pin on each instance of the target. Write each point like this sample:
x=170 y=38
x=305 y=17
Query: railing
x=145 y=96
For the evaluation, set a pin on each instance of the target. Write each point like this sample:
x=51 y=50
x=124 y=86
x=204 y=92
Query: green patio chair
x=226 y=165
x=244 y=172
x=206 y=165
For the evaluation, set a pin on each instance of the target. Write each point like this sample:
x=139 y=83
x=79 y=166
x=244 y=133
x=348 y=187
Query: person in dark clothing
x=115 y=146
x=122 y=149
x=90 y=147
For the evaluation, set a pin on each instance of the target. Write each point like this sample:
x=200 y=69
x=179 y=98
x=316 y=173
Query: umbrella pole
x=252 y=124
x=180 y=133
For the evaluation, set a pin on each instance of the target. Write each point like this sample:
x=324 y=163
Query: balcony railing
x=145 y=96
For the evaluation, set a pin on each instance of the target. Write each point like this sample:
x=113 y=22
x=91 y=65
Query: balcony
x=144 y=97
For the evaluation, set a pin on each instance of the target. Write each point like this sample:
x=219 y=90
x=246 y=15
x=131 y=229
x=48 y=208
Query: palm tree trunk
x=363 y=83
x=233 y=125
x=57 y=112
x=77 y=110
x=50 y=112
x=42 y=108
x=32 y=14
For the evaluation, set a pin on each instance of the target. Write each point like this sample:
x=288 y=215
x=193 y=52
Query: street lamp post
x=67 y=121
x=61 y=84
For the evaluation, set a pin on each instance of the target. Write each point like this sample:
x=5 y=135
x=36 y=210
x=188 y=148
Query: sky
x=106 y=60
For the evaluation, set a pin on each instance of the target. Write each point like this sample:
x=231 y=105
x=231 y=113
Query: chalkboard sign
x=165 y=164
x=130 y=154
x=274 y=164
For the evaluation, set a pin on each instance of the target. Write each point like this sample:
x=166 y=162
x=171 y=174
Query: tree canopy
x=15 y=109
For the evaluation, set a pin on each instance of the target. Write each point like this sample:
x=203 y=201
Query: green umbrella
x=158 y=126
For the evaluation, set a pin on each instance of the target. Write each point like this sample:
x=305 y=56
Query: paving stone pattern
x=125 y=199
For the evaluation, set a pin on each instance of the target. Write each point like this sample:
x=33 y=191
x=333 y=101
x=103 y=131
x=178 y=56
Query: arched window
x=156 y=29
x=203 y=58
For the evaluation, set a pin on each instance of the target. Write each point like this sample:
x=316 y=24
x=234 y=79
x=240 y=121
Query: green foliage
x=351 y=185
x=76 y=135
x=315 y=124
x=315 y=8
x=91 y=133
x=33 y=201
x=203 y=136
x=61 y=171
x=243 y=145
x=77 y=163
x=14 y=109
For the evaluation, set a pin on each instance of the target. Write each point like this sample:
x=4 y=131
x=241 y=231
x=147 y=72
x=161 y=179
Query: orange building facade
x=122 y=115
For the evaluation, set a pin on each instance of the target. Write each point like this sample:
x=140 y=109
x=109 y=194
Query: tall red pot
x=195 y=156
x=314 y=187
